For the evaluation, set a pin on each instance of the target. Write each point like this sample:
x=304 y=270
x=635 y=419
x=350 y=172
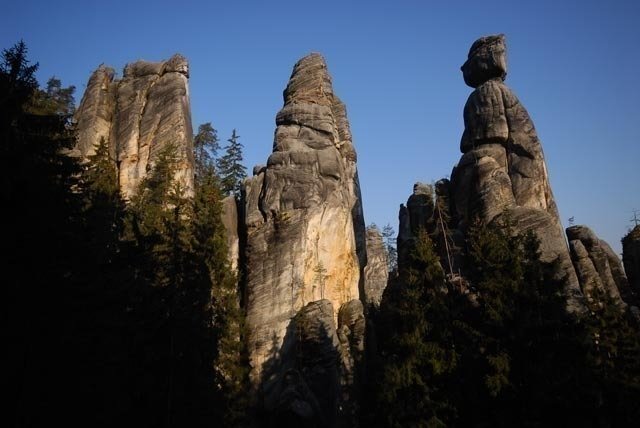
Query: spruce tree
x=230 y=167
x=415 y=348
x=389 y=238
x=205 y=149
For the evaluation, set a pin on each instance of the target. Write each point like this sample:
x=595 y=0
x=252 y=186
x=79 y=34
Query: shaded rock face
x=416 y=215
x=230 y=222
x=138 y=116
x=502 y=172
x=376 y=272
x=312 y=381
x=596 y=264
x=631 y=258
x=303 y=219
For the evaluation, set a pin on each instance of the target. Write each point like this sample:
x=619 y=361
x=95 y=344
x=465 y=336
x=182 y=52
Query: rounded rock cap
x=487 y=60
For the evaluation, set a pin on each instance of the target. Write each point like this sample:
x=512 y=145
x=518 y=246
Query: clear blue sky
x=574 y=64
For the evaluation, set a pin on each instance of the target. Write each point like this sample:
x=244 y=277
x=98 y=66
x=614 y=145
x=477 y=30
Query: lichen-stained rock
x=631 y=258
x=302 y=215
x=596 y=264
x=502 y=173
x=376 y=272
x=139 y=116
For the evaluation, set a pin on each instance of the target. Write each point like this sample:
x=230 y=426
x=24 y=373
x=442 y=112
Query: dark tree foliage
x=230 y=168
x=389 y=239
x=500 y=350
x=117 y=314
x=40 y=275
x=205 y=148
x=416 y=352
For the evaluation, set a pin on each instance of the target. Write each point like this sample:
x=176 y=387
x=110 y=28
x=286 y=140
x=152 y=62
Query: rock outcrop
x=138 y=116
x=303 y=221
x=230 y=222
x=502 y=173
x=596 y=264
x=376 y=272
x=631 y=259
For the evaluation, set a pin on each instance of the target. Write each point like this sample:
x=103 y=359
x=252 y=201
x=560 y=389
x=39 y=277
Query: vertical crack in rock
x=502 y=172
x=138 y=116
x=305 y=234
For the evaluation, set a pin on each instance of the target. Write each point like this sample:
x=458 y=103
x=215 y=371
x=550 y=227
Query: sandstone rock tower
x=138 y=116
x=502 y=171
x=305 y=247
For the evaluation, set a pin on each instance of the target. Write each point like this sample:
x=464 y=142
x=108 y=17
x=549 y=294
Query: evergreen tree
x=389 y=238
x=40 y=245
x=415 y=351
x=205 y=149
x=230 y=167
x=229 y=360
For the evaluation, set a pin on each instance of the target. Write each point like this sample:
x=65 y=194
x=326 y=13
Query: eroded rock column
x=304 y=231
x=502 y=173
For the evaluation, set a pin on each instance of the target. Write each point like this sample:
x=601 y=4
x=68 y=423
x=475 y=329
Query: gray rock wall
x=138 y=116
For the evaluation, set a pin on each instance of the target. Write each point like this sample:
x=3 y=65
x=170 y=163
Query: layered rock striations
x=502 y=173
x=305 y=234
x=597 y=265
x=138 y=116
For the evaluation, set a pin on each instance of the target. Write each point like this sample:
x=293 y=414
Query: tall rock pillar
x=305 y=242
x=502 y=172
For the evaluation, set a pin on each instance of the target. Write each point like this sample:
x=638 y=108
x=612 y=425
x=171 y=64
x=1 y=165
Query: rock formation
x=138 y=116
x=597 y=265
x=230 y=222
x=502 y=172
x=631 y=258
x=305 y=234
x=376 y=272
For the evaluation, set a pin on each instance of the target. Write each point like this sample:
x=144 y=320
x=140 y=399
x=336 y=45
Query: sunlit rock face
x=502 y=173
x=303 y=221
x=138 y=116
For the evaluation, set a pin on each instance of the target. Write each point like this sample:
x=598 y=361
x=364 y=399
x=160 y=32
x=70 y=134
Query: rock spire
x=305 y=244
x=502 y=173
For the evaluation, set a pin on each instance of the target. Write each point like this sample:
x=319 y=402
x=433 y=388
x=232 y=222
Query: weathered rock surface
x=416 y=215
x=595 y=264
x=304 y=227
x=502 y=172
x=631 y=258
x=230 y=222
x=376 y=272
x=138 y=117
